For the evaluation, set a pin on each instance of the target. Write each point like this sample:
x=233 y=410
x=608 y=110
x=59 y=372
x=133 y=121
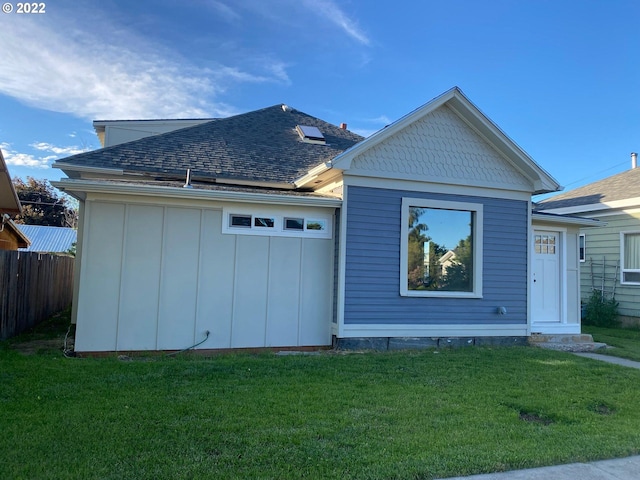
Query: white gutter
x=89 y=186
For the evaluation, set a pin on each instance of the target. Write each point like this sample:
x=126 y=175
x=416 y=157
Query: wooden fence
x=34 y=286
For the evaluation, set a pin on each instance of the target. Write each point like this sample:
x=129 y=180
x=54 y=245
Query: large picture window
x=441 y=250
x=630 y=254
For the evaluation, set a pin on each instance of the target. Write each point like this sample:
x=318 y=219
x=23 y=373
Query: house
x=115 y=132
x=609 y=255
x=46 y=239
x=276 y=229
x=11 y=238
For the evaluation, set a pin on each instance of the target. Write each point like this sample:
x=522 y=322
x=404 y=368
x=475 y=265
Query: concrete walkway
x=609 y=359
x=616 y=469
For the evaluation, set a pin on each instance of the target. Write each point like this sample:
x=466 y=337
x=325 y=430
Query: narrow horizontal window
x=240 y=221
x=277 y=222
x=294 y=224
x=264 y=222
x=319 y=225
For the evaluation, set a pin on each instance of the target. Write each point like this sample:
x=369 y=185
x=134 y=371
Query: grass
x=623 y=342
x=405 y=415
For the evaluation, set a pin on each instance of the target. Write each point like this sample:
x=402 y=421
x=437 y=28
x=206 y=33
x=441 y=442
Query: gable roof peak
x=469 y=113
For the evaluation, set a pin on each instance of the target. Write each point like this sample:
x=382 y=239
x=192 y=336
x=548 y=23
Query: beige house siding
x=603 y=244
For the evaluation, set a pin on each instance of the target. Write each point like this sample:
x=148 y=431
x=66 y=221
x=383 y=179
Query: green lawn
x=623 y=342
x=411 y=415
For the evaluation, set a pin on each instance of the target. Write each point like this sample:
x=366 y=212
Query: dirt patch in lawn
x=34 y=347
x=54 y=334
x=535 y=418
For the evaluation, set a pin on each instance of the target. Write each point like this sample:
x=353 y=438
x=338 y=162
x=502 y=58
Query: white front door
x=546 y=291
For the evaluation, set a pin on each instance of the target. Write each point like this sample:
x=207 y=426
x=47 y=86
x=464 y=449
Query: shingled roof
x=261 y=146
x=622 y=186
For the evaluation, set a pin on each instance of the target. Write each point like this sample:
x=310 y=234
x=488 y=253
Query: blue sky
x=559 y=77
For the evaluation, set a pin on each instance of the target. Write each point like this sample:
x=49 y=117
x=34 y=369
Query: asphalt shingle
x=617 y=187
x=261 y=145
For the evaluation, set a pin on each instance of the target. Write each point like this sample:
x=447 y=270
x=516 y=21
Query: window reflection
x=440 y=249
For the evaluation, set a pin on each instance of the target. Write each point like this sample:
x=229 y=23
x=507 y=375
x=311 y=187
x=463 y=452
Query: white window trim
x=278 y=229
x=582 y=258
x=477 y=234
x=622 y=269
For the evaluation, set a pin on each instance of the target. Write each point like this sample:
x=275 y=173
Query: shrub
x=600 y=311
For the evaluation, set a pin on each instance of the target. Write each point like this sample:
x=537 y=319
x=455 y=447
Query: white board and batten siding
x=159 y=277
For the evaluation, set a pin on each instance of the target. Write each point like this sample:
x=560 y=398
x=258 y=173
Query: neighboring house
x=11 y=238
x=288 y=231
x=45 y=239
x=609 y=255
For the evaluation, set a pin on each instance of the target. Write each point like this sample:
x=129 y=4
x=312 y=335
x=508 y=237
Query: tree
x=43 y=205
x=417 y=237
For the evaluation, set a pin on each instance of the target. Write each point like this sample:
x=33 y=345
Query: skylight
x=310 y=134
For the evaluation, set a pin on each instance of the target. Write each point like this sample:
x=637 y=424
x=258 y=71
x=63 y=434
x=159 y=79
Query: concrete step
x=566 y=342
x=560 y=338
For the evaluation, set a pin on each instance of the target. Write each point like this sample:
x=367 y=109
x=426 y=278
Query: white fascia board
x=312 y=174
x=88 y=186
x=562 y=220
x=83 y=168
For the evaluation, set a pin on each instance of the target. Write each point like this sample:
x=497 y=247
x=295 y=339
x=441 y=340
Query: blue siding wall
x=372 y=275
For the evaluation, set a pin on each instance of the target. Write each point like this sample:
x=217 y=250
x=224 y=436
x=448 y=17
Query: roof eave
x=70 y=169
x=564 y=219
x=6 y=185
x=21 y=236
x=313 y=174
x=78 y=188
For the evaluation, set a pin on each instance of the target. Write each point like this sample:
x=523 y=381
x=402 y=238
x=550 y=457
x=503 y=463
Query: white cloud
x=20 y=159
x=365 y=132
x=330 y=11
x=12 y=157
x=225 y=11
x=58 y=151
x=382 y=119
x=70 y=68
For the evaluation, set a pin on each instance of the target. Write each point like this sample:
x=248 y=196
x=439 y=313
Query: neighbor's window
x=442 y=248
x=581 y=247
x=630 y=254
